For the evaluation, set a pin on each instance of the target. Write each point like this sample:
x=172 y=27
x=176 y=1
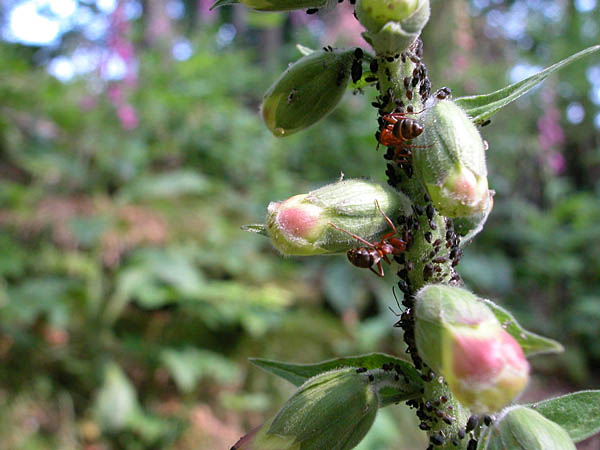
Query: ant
x=399 y=129
x=373 y=253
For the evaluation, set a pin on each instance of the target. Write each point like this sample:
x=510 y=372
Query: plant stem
x=433 y=245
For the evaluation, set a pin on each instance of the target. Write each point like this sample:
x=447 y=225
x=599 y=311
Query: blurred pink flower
x=460 y=63
x=557 y=162
x=128 y=117
x=551 y=136
x=115 y=94
x=88 y=102
x=342 y=28
x=206 y=15
x=551 y=133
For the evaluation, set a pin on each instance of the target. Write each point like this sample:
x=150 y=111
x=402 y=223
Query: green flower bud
x=451 y=163
x=522 y=428
x=392 y=25
x=300 y=225
x=374 y=14
x=332 y=410
x=273 y=5
x=458 y=336
x=307 y=91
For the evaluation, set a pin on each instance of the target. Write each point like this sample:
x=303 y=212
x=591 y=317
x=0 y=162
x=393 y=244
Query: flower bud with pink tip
x=302 y=224
x=450 y=161
x=459 y=337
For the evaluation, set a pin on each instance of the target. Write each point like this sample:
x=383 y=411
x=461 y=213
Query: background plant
x=189 y=118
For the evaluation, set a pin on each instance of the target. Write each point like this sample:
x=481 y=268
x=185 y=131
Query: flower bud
x=392 y=25
x=467 y=227
x=300 y=225
x=522 y=428
x=374 y=14
x=273 y=5
x=332 y=410
x=458 y=336
x=307 y=91
x=451 y=161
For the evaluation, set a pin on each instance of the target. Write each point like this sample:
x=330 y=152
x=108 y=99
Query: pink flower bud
x=459 y=337
x=485 y=370
x=451 y=163
x=302 y=224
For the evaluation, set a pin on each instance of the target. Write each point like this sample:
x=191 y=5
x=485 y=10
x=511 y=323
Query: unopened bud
x=459 y=337
x=451 y=161
x=273 y=5
x=301 y=225
x=469 y=226
x=392 y=25
x=307 y=91
x=332 y=410
x=522 y=428
x=374 y=14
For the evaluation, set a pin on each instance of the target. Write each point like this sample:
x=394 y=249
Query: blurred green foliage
x=130 y=299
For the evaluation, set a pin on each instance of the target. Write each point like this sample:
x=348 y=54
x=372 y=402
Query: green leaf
x=223 y=3
x=531 y=343
x=305 y=51
x=168 y=185
x=299 y=373
x=258 y=228
x=189 y=365
x=481 y=107
x=578 y=413
x=116 y=400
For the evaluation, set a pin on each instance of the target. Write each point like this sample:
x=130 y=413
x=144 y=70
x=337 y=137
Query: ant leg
x=396 y=298
x=417 y=146
x=380 y=267
x=397 y=304
x=391 y=118
x=399 y=245
x=418 y=112
x=401 y=153
x=373 y=270
x=387 y=219
x=352 y=235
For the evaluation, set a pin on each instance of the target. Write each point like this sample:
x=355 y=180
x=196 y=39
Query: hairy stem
x=433 y=249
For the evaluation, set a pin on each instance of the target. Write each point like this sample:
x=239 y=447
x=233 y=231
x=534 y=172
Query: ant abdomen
x=363 y=257
x=407 y=129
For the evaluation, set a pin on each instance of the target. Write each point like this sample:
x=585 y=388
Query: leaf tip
x=257 y=228
x=219 y=3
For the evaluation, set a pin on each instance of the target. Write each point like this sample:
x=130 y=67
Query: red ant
x=373 y=253
x=399 y=129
